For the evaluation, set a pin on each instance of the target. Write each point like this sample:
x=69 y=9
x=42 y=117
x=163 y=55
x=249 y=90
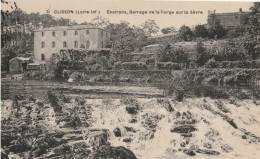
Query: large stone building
x=229 y=20
x=49 y=41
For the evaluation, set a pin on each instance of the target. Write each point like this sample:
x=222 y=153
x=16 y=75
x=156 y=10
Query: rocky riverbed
x=72 y=127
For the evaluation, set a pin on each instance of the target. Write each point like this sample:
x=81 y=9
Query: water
x=38 y=89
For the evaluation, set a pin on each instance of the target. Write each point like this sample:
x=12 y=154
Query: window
x=64 y=33
x=42 y=33
x=53 y=33
x=101 y=33
x=102 y=44
x=43 y=45
x=87 y=32
x=64 y=44
x=53 y=44
x=43 y=57
x=75 y=44
x=76 y=32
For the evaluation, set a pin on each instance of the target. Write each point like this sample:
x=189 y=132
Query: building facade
x=229 y=20
x=49 y=41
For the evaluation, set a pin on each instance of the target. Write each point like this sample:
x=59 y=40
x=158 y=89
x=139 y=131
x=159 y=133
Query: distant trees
x=168 y=30
x=202 y=56
x=169 y=54
x=201 y=31
x=150 y=27
x=185 y=33
x=100 y=22
x=126 y=39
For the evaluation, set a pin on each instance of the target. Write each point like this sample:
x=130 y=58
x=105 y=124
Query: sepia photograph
x=130 y=79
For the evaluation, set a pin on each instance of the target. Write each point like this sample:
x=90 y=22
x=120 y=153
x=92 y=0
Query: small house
x=18 y=65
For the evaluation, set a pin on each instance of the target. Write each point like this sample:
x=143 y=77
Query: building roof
x=21 y=58
x=231 y=13
x=69 y=27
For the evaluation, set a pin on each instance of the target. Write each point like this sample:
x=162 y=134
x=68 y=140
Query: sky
x=162 y=20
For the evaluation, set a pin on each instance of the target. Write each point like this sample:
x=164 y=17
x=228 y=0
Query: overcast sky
x=163 y=20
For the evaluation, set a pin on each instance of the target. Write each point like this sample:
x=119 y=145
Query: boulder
x=207 y=152
x=183 y=129
x=112 y=153
x=189 y=152
x=117 y=132
x=147 y=135
x=127 y=140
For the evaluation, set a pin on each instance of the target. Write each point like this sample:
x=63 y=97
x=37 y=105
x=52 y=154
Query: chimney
x=240 y=10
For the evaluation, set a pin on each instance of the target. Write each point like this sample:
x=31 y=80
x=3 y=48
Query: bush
x=212 y=92
x=133 y=66
x=54 y=101
x=179 y=93
x=211 y=63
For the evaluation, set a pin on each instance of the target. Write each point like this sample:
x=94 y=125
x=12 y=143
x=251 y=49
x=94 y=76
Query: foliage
x=211 y=63
x=216 y=30
x=185 y=33
x=150 y=27
x=202 y=56
x=133 y=66
x=168 y=30
x=125 y=39
x=168 y=54
x=232 y=34
x=254 y=18
x=201 y=31
x=100 y=22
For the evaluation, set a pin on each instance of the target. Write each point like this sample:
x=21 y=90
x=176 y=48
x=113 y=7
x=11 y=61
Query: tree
x=201 y=31
x=185 y=33
x=168 y=30
x=150 y=27
x=100 y=22
x=125 y=39
x=216 y=30
x=254 y=19
x=202 y=55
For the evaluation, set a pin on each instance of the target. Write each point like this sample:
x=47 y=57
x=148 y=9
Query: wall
x=229 y=19
x=94 y=38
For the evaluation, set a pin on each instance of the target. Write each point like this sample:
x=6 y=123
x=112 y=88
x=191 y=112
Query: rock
x=189 y=152
x=244 y=137
x=226 y=148
x=130 y=129
x=117 y=132
x=167 y=106
x=186 y=134
x=148 y=135
x=97 y=139
x=183 y=144
x=150 y=122
x=207 y=152
x=183 y=129
x=112 y=153
x=170 y=150
x=132 y=120
x=127 y=140
x=194 y=147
